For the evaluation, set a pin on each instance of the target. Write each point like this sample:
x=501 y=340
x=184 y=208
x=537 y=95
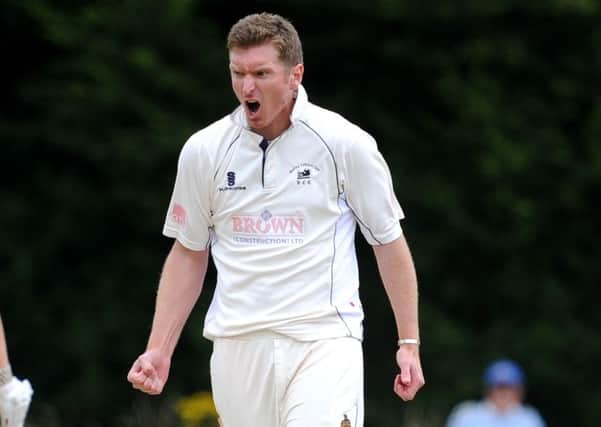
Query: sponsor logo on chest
x=268 y=229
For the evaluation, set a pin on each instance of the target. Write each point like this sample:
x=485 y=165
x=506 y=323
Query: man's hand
x=14 y=402
x=149 y=372
x=411 y=378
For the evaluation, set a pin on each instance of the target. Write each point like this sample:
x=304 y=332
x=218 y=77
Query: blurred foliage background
x=489 y=113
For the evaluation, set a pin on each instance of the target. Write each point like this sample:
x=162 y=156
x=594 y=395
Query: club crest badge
x=305 y=173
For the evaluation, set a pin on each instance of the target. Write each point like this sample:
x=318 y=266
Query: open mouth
x=253 y=106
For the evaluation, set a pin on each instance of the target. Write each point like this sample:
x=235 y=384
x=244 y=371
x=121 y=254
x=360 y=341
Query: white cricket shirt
x=281 y=223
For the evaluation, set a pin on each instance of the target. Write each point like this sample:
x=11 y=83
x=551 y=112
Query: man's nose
x=248 y=85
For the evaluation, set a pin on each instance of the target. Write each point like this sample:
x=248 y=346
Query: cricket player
x=274 y=192
x=15 y=394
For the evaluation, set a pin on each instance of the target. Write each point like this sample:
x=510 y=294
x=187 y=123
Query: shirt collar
x=300 y=105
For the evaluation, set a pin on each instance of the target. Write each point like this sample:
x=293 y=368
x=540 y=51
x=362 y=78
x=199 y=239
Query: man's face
x=265 y=87
x=505 y=397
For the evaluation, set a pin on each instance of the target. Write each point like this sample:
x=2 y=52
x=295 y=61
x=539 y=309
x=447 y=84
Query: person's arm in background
x=179 y=288
x=4 y=362
x=15 y=395
x=400 y=281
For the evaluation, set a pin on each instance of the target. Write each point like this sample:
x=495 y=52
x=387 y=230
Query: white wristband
x=407 y=341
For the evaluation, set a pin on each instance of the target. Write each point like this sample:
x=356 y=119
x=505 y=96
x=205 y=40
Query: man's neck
x=278 y=126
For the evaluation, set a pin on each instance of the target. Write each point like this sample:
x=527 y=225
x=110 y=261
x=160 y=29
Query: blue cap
x=504 y=372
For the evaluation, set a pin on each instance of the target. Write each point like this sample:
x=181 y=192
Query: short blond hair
x=259 y=28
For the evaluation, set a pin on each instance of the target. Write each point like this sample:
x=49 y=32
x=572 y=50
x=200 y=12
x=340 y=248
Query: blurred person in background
x=15 y=394
x=275 y=191
x=502 y=406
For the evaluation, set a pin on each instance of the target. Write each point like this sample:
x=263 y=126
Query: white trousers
x=270 y=380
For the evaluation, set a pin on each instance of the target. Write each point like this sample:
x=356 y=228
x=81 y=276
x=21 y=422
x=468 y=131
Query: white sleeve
x=369 y=192
x=188 y=218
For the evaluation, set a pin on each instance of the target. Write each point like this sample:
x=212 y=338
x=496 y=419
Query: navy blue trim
x=264 y=150
x=338 y=181
x=263 y=171
x=332 y=270
x=350 y=333
x=339 y=190
x=363 y=224
x=225 y=154
x=334 y=257
x=329 y=151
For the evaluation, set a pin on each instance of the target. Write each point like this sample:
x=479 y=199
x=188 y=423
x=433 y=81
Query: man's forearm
x=400 y=281
x=179 y=288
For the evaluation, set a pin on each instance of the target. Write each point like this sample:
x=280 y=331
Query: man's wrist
x=412 y=341
x=6 y=375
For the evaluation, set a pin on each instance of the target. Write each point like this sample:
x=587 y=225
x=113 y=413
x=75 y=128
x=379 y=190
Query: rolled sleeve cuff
x=185 y=241
x=383 y=237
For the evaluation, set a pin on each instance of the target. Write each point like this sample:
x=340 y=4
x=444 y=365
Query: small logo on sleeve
x=178 y=214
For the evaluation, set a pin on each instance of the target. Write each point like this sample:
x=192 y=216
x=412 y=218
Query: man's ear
x=296 y=76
